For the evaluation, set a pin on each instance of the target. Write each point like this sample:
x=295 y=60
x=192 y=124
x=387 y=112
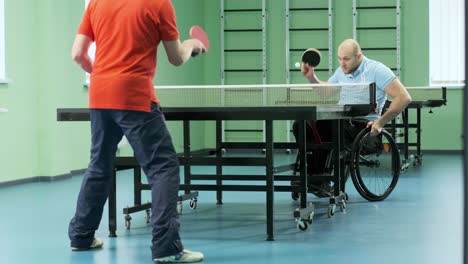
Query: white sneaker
x=186 y=256
x=97 y=243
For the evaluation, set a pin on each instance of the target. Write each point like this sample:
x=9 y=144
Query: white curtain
x=2 y=42
x=447 y=42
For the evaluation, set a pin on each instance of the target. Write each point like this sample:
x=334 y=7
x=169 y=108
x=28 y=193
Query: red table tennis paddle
x=312 y=57
x=197 y=32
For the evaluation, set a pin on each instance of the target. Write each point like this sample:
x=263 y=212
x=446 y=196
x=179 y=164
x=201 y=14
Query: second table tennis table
x=422 y=97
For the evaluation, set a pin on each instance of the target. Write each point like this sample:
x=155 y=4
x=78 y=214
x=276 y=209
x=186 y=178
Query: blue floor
x=421 y=222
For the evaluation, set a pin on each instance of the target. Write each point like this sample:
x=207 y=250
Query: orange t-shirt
x=127 y=34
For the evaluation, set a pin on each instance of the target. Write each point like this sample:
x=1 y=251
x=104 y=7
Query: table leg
x=270 y=179
x=113 y=206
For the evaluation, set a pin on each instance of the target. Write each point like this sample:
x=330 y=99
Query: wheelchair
x=372 y=162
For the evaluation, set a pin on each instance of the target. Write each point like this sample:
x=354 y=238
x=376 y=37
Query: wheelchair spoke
x=376 y=165
x=376 y=174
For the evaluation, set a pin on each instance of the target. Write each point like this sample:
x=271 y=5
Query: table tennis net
x=263 y=95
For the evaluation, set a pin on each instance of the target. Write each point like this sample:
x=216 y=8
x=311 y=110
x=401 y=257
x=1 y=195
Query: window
x=446 y=42
x=2 y=42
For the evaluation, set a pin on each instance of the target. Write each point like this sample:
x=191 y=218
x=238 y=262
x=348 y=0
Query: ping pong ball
x=297 y=65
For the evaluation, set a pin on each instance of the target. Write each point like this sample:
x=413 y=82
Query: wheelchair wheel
x=375 y=165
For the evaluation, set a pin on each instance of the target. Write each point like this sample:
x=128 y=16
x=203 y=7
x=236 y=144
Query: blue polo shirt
x=368 y=72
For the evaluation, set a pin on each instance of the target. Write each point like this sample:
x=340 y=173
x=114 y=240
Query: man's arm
x=179 y=53
x=80 y=52
x=400 y=100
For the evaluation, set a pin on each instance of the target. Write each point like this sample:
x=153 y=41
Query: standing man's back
x=123 y=102
x=128 y=33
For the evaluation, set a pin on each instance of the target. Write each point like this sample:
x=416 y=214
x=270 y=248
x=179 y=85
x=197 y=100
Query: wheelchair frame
x=355 y=159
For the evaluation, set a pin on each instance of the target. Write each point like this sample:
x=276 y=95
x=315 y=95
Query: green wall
x=414 y=53
x=39 y=35
x=19 y=149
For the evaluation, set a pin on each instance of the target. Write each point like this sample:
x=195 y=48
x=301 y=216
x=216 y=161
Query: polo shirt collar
x=359 y=70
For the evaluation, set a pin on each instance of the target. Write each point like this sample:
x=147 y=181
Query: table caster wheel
x=331 y=210
x=302 y=225
x=343 y=206
x=128 y=221
x=193 y=203
x=148 y=216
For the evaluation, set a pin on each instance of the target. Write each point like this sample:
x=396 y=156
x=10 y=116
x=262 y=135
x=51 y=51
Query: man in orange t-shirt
x=122 y=102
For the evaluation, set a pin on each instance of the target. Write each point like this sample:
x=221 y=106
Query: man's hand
x=179 y=53
x=197 y=47
x=80 y=52
x=309 y=72
x=376 y=128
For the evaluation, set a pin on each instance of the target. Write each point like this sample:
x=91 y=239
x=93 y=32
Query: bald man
x=357 y=68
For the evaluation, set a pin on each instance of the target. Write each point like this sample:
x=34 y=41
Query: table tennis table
x=278 y=105
x=422 y=97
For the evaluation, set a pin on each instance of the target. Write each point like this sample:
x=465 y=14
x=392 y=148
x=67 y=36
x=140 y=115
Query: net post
x=444 y=95
x=372 y=94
